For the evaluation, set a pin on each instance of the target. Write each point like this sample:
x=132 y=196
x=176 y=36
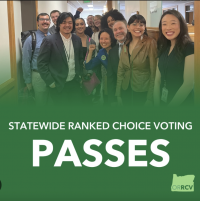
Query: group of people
x=132 y=68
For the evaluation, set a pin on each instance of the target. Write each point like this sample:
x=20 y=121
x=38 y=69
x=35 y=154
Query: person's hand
x=52 y=85
x=29 y=86
x=119 y=101
x=80 y=9
x=92 y=47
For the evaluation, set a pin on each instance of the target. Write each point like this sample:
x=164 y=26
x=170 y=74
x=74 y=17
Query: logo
x=183 y=183
x=103 y=57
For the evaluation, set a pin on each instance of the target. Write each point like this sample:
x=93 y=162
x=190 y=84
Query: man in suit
x=120 y=32
x=54 y=16
x=60 y=62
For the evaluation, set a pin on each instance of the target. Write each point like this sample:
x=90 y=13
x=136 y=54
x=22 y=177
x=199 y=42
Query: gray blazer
x=52 y=30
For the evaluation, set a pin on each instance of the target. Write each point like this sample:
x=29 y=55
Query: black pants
x=126 y=97
x=70 y=95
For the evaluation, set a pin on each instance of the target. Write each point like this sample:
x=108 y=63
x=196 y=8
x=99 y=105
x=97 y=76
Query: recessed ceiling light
x=90 y=5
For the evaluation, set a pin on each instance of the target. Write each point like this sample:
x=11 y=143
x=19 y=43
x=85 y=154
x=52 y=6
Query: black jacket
x=113 y=61
x=52 y=62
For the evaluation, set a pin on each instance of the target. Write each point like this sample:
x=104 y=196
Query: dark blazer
x=113 y=62
x=52 y=62
x=52 y=30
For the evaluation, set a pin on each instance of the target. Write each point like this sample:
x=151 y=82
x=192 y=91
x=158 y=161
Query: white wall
x=154 y=18
x=143 y=10
x=18 y=30
x=123 y=13
x=48 y=6
x=133 y=6
x=5 y=71
x=130 y=7
x=181 y=9
x=85 y=13
x=115 y=5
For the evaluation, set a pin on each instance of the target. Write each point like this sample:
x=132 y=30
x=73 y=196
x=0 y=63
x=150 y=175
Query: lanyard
x=68 y=55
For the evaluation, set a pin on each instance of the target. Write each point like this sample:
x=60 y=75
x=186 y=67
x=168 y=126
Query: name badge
x=164 y=94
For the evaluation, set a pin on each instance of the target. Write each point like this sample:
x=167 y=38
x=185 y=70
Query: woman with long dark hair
x=175 y=72
x=80 y=27
x=137 y=65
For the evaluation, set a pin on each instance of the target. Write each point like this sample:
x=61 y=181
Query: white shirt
x=120 y=47
x=69 y=56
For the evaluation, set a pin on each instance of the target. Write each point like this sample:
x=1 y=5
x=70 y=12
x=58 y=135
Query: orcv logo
x=183 y=183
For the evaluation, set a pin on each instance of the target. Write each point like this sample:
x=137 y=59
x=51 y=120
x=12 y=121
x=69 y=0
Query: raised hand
x=92 y=47
x=80 y=9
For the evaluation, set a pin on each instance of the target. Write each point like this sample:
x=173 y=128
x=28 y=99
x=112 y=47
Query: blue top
x=101 y=58
x=27 y=65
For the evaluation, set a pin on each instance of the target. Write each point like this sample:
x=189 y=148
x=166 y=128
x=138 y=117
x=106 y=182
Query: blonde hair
x=96 y=29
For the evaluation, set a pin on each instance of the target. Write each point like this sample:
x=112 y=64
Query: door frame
x=11 y=84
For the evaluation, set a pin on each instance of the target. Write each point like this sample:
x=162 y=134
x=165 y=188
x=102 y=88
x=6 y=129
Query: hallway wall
x=48 y=6
x=5 y=70
x=18 y=30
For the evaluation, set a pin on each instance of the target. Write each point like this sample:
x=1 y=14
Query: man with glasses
x=54 y=16
x=60 y=62
x=29 y=60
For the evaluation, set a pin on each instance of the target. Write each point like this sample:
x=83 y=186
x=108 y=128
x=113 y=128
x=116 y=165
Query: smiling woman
x=107 y=41
x=137 y=65
x=175 y=72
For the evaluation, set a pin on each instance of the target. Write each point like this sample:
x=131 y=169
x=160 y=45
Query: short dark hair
x=182 y=39
x=42 y=14
x=80 y=19
x=55 y=11
x=138 y=19
x=110 y=32
x=115 y=14
x=61 y=18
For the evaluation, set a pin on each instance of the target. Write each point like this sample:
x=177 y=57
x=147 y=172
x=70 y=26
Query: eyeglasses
x=42 y=19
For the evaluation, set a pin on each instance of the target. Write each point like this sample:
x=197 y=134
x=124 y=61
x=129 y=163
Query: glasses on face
x=42 y=19
x=138 y=24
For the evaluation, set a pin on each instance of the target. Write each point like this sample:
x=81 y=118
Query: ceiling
x=97 y=5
